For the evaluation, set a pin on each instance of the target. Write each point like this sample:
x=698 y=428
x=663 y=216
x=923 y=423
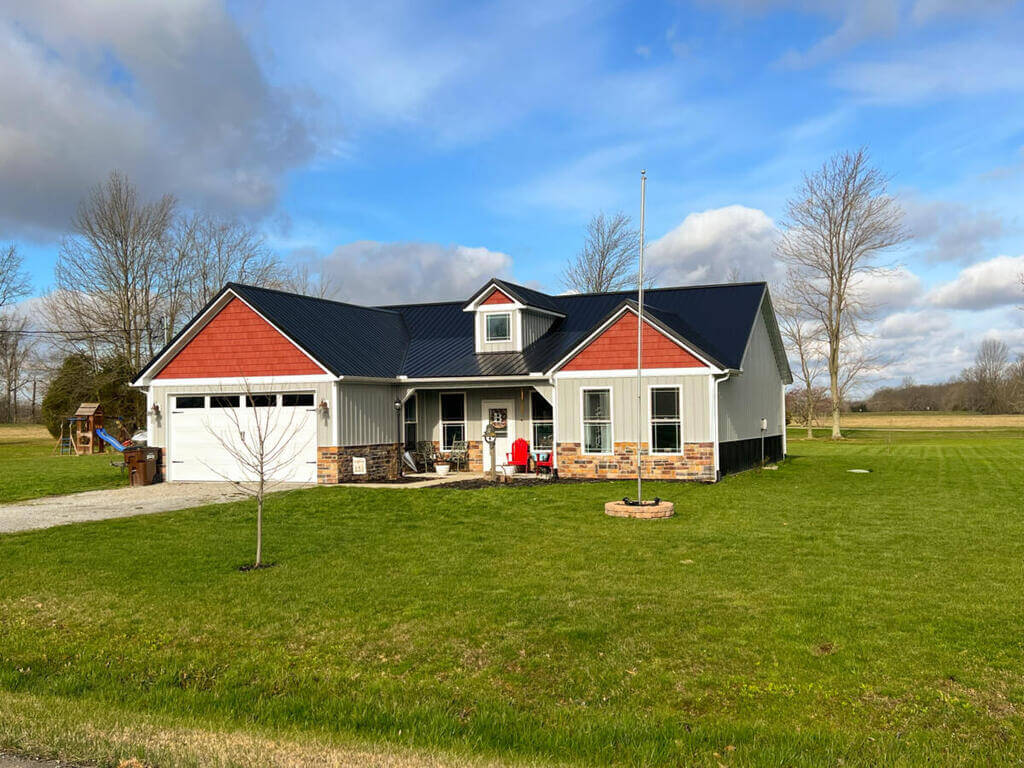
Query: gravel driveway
x=119 y=502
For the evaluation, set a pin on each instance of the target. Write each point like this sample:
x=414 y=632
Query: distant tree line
x=993 y=384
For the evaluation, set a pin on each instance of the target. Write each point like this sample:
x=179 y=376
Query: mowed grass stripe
x=799 y=615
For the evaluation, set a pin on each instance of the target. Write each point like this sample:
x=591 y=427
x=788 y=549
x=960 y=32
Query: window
x=198 y=401
x=410 y=423
x=499 y=327
x=453 y=419
x=542 y=416
x=260 y=401
x=224 y=401
x=291 y=401
x=666 y=426
x=597 y=421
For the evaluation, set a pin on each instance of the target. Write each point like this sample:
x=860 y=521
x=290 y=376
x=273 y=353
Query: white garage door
x=208 y=434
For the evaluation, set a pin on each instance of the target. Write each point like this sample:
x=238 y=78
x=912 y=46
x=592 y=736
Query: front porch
x=452 y=417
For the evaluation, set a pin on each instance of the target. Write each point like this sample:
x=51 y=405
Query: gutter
x=714 y=421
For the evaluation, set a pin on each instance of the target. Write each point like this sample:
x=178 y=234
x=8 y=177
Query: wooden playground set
x=84 y=433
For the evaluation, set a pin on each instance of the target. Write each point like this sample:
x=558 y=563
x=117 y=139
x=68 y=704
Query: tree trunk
x=259 y=525
x=833 y=376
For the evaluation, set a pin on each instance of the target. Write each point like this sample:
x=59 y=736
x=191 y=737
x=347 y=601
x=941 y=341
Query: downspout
x=714 y=423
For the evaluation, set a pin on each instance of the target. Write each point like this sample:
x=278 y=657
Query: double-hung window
x=597 y=421
x=410 y=422
x=666 y=422
x=453 y=419
x=498 y=326
x=542 y=415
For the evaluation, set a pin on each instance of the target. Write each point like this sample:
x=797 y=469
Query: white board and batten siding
x=746 y=398
x=695 y=404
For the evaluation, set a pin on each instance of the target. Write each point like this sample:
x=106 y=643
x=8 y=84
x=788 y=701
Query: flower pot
x=441 y=469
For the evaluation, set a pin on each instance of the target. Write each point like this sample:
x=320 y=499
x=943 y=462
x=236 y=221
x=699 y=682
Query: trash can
x=143 y=465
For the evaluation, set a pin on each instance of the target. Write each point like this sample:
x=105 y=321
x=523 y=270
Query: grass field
x=28 y=468
x=941 y=420
x=805 y=616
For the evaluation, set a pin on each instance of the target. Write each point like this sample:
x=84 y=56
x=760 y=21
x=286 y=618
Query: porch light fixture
x=323 y=408
x=398 y=405
x=155 y=410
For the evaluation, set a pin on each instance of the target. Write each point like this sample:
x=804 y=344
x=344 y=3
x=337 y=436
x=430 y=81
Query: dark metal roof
x=436 y=340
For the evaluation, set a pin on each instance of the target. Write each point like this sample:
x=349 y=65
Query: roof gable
x=615 y=348
x=237 y=342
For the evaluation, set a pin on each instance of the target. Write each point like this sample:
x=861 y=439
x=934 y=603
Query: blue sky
x=413 y=149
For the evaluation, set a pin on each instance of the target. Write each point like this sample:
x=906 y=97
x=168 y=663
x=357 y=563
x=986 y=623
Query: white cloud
x=913 y=325
x=950 y=231
x=984 y=285
x=888 y=290
x=171 y=94
x=713 y=245
x=940 y=72
x=369 y=272
x=925 y=11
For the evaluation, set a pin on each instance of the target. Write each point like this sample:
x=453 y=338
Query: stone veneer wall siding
x=334 y=464
x=696 y=463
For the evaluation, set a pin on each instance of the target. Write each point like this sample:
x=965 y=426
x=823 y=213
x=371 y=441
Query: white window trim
x=487 y=337
x=415 y=421
x=650 y=420
x=551 y=421
x=583 y=422
x=441 y=422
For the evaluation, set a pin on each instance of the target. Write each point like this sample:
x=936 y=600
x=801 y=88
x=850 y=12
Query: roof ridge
x=661 y=288
x=295 y=295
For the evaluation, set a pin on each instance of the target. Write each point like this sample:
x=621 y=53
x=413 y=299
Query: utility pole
x=640 y=343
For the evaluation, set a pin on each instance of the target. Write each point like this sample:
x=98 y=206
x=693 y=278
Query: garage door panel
x=202 y=440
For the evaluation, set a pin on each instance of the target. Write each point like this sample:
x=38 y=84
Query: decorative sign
x=358 y=465
x=498 y=418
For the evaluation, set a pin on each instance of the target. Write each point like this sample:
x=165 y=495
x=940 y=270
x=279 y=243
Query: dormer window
x=498 y=326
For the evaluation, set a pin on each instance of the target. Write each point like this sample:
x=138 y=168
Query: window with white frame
x=453 y=419
x=666 y=422
x=498 y=326
x=597 y=421
x=542 y=415
x=409 y=418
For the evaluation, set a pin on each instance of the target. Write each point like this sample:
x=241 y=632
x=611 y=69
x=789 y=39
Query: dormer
x=509 y=318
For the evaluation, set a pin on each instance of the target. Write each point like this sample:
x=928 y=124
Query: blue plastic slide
x=105 y=436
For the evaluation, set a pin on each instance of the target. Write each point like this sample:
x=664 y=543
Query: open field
x=940 y=420
x=28 y=468
x=803 y=616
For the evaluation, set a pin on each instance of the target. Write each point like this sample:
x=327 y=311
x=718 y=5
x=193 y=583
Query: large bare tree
x=14 y=281
x=607 y=260
x=109 y=274
x=837 y=225
x=804 y=336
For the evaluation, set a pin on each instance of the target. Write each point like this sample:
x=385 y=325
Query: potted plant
x=442 y=467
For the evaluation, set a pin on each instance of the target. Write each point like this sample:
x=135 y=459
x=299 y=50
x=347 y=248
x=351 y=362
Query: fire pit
x=644 y=510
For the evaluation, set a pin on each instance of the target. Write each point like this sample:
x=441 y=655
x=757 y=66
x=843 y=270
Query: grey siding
x=498 y=346
x=696 y=406
x=162 y=396
x=754 y=394
x=535 y=325
x=366 y=414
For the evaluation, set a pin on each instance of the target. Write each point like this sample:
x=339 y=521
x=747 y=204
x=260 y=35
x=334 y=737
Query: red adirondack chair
x=544 y=460
x=520 y=456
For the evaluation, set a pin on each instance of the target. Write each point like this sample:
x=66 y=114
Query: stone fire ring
x=642 y=512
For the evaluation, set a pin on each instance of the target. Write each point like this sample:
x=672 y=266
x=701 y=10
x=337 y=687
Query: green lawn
x=805 y=616
x=28 y=468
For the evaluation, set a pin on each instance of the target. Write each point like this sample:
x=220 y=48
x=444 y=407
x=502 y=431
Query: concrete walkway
x=118 y=502
x=12 y=761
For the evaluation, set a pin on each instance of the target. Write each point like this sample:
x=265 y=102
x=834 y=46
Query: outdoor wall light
x=155 y=410
x=323 y=408
x=398 y=405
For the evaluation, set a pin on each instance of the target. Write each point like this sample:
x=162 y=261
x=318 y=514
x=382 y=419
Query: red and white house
x=356 y=385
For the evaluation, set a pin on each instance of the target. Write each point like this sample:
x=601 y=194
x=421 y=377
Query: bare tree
x=262 y=440
x=804 y=336
x=837 y=225
x=14 y=282
x=607 y=261
x=109 y=272
x=15 y=351
x=210 y=251
x=987 y=379
x=312 y=280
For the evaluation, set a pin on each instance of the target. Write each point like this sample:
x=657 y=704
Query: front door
x=500 y=413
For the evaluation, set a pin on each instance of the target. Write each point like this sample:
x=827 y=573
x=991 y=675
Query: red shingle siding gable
x=615 y=349
x=496 y=297
x=238 y=342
